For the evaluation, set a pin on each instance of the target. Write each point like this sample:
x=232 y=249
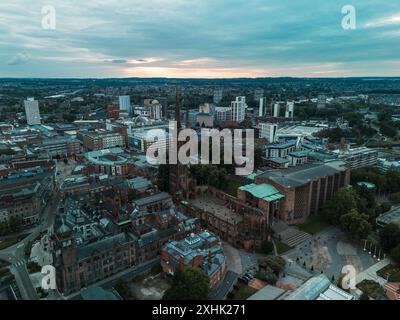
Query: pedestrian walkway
x=370 y=273
x=291 y=236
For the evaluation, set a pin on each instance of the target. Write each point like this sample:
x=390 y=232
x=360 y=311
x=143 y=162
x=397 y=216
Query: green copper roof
x=368 y=185
x=252 y=176
x=262 y=191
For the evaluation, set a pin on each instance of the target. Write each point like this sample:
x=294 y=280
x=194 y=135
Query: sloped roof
x=262 y=191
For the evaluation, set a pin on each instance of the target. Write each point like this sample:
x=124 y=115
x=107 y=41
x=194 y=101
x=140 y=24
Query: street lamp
x=365 y=245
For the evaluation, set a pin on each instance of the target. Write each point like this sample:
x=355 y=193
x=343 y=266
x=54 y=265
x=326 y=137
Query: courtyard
x=328 y=252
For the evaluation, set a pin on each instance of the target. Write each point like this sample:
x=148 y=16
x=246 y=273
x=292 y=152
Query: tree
x=342 y=203
x=395 y=255
x=355 y=225
x=389 y=236
x=267 y=275
x=132 y=194
x=191 y=284
x=275 y=263
x=123 y=289
x=267 y=247
x=163 y=178
x=258 y=158
x=364 y=296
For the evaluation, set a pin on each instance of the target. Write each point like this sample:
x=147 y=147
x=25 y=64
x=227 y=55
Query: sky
x=198 y=39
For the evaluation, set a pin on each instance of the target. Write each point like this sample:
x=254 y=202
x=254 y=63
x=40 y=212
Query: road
x=15 y=253
x=125 y=275
x=18 y=269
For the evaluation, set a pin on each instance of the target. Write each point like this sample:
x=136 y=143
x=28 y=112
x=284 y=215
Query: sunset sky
x=199 y=39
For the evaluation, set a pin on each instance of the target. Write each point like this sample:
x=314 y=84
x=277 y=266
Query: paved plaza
x=329 y=252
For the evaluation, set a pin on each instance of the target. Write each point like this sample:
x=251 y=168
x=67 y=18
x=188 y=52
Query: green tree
x=389 y=236
x=267 y=275
x=123 y=289
x=275 y=263
x=191 y=284
x=258 y=158
x=355 y=225
x=364 y=296
x=267 y=247
x=133 y=194
x=345 y=200
x=395 y=255
x=163 y=178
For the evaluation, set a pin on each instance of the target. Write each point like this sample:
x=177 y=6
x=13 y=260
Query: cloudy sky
x=202 y=38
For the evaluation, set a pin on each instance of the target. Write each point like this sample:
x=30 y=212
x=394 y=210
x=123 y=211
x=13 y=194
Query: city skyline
x=207 y=39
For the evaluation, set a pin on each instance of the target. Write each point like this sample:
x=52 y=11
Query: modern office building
x=289 y=113
x=358 y=157
x=262 y=107
x=218 y=94
x=321 y=101
x=268 y=131
x=238 y=108
x=156 y=110
x=223 y=113
x=276 y=107
x=32 y=111
x=102 y=140
x=125 y=103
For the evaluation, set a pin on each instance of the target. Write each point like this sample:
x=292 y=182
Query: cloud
x=118 y=61
x=19 y=58
x=102 y=38
x=386 y=21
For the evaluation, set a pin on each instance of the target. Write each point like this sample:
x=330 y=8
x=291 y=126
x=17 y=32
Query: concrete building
x=321 y=101
x=202 y=250
x=289 y=113
x=218 y=95
x=205 y=120
x=262 y=107
x=238 y=108
x=59 y=146
x=102 y=140
x=306 y=188
x=276 y=107
x=156 y=109
x=125 y=104
x=268 y=131
x=281 y=150
x=386 y=165
x=32 y=111
x=358 y=157
x=223 y=114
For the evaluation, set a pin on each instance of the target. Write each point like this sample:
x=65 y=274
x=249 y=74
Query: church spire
x=187 y=126
x=177 y=110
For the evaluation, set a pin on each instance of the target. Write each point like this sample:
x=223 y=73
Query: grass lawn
x=281 y=247
x=392 y=271
x=314 y=225
x=243 y=292
x=233 y=185
x=372 y=288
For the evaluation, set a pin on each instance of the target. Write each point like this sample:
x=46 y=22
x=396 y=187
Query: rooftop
x=262 y=191
x=300 y=175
